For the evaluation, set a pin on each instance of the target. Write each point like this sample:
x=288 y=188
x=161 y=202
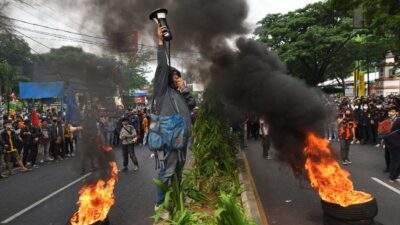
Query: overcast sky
x=45 y=14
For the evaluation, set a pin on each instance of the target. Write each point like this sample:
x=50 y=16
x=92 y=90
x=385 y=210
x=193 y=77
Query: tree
x=381 y=16
x=310 y=41
x=15 y=61
x=136 y=69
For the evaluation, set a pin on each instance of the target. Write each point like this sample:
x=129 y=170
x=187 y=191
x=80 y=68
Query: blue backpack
x=167 y=132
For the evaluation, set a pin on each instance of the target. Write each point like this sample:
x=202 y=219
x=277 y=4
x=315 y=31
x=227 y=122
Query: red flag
x=35 y=118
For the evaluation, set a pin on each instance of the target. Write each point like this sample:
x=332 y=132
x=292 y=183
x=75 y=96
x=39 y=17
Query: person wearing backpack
x=171 y=103
x=128 y=136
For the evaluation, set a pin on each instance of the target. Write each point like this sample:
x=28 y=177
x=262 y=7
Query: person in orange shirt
x=346 y=135
x=145 y=125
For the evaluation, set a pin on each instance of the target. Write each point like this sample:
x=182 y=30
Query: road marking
x=257 y=195
x=11 y=218
x=386 y=185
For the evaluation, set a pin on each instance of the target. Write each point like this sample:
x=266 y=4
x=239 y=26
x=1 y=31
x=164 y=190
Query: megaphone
x=160 y=17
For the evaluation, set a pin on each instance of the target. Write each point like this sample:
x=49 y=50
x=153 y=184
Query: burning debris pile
x=327 y=177
x=96 y=200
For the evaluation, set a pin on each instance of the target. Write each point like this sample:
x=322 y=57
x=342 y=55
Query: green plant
x=229 y=212
x=213 y=150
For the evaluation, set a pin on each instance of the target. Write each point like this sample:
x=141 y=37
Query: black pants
x=129 y=151
x=387 y=158
x=56 y=149
x=344 y=149
x=69 y=146
x=30 y=153
x=394 y=163
x=255 y=131
x=266 y=144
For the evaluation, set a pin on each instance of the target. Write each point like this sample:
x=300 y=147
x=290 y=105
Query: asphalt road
x=288 y=201
x=134 y=193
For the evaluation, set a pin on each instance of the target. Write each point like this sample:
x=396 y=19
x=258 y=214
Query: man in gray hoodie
x=171 y=98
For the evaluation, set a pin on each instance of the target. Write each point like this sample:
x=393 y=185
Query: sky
x=39 y=12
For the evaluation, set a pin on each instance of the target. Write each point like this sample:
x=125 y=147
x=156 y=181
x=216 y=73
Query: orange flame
x=327 y=177
x=95 y=200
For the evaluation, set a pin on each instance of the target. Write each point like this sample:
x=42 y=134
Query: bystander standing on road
x=392 y=141
x=10 y=152
x=128 y=136
x=44 y=143
x=346 y=135
x=265 y=138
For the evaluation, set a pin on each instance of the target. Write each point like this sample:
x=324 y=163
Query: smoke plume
x=246 y=75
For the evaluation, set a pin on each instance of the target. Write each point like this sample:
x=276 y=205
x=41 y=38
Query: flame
x=95 y=200
x=327 y=177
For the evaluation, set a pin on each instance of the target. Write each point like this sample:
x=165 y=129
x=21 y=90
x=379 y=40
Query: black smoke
x=243 y=74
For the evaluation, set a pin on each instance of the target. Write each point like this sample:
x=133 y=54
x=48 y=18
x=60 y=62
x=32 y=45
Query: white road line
x=43 y=199
x=386 y=185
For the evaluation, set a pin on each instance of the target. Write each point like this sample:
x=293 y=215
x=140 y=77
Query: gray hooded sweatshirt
x=168 y=100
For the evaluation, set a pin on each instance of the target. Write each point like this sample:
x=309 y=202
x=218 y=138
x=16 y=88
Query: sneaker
x=35 y=166
x=349 y=162
x=28 y=164
x=392 y=181
x=152 y=155
x=136 y=168
x=50 y=159
x=269 y=157
x=41 y=161
x=72 y=154
x=125 y=169
x=378 y=145
x=386 y=170
x=344 y=162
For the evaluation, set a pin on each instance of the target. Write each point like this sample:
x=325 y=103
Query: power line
x=51 y=28
x=6 y=30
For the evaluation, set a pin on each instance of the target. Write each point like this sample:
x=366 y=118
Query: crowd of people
x=29 y=139
x=370 y=120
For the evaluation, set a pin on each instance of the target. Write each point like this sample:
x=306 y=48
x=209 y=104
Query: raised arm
x=162 y=73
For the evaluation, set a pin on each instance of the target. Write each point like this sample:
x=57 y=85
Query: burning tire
x=353 y=214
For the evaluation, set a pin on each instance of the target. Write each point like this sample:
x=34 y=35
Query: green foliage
x=318 y=43
x=229 y=212
x=307 y=39
x=15 y=61
x=68 y=62
x=381 y=16
x=213 y=151
x=136 y=68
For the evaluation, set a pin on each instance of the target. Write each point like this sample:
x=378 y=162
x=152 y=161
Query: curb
x=250 y=198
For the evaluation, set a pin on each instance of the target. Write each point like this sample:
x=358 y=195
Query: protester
x=30 y=138
x=392 y=141
x=57 y=139
x=266 y=138
x=8 y=140
x=44 y=143
x=346 y=135
x=145 y=125
x=169 y=102
x=128 y=136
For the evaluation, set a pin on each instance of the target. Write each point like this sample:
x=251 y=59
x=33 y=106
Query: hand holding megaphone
x=160 y=17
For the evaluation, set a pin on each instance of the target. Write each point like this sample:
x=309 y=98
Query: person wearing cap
x=128 y=136
x=9 y=138
x=392 y=141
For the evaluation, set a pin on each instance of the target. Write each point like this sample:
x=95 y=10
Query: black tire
x=332 y=221
x=364 y=211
